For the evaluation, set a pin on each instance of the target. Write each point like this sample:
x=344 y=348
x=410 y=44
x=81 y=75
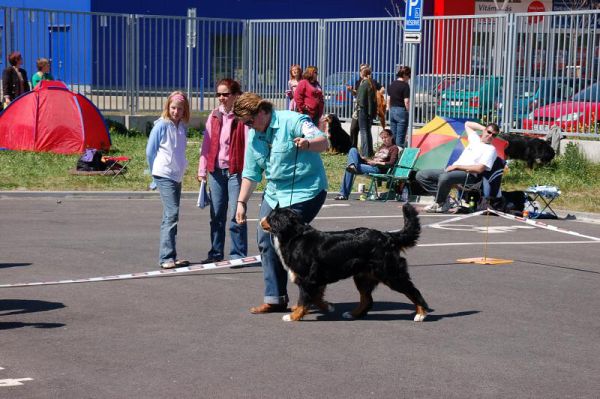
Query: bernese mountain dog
x=316 y=258
x=338 y=138
x=532 y=150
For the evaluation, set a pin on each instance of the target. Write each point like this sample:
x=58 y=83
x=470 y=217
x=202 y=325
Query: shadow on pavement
x=7 y=265
x=10 y=307
x=407 y=314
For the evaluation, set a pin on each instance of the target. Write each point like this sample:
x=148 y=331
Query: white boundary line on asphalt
x=253 y=260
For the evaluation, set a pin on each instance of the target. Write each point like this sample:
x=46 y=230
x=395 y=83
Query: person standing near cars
x=398 y=104
x=222 y=157
x=14 y=78
x=309 y=95
x=354 y=128
x=366 y=102
x=283 y=147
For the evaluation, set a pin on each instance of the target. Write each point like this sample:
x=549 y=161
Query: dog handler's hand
x=302 y=143
x=240 y=213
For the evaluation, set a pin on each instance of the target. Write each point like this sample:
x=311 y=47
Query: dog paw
x=420 y=317
x=286 y=317
x=347 y=315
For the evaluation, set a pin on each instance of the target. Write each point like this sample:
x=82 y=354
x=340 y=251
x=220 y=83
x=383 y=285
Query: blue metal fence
x=525 y=71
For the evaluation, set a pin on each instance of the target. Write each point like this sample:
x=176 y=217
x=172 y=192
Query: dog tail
x=408 y=236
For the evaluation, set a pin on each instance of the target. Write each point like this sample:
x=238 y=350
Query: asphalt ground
x=526 y=329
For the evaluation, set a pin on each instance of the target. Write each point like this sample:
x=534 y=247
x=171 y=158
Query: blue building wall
x=252 y=9
x=65 y=5
x=62 y=37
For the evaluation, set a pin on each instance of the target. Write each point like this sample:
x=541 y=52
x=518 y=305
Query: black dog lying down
x=315 y=258
x=529 y=149
x=339 y=139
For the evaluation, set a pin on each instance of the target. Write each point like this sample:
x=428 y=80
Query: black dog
x=339 y=139
x=314 y=259
x=529 y=149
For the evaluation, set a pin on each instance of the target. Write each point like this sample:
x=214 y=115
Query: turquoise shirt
x=36 y=78
x=273 y=153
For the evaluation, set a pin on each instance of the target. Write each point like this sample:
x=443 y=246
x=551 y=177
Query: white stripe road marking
x=459 y=244
x=255 y=260
x=13 y=382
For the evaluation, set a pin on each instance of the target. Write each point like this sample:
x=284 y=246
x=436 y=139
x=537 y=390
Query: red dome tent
x=52 y=118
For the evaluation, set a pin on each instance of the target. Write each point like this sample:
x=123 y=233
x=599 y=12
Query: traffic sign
x=412 y=37
x=412 y=16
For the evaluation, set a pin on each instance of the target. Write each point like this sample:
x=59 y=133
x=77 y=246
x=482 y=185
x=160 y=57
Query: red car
x=580 y=114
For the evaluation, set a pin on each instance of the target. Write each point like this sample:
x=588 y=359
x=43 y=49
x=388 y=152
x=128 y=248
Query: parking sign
x=412 y=15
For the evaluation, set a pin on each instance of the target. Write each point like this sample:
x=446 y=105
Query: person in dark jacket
x=366 y=101
x=14 y=78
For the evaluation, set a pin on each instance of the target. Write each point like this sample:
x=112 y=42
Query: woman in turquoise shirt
x=285 y=147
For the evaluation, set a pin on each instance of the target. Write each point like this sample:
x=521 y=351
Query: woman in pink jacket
x=221 y=163
x=309 y=96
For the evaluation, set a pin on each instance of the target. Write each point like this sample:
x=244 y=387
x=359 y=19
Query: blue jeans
x=364 y=129
x=274 y=274
x=399 y=124
x=170 y=196
x=224 y=191
x=361 y=166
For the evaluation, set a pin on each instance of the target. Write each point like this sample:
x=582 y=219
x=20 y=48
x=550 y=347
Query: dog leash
x=294 y=175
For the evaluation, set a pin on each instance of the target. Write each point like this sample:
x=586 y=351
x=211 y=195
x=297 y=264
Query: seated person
x=478 y=157
x=385 y=157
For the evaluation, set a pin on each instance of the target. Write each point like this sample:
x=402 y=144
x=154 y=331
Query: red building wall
x=452 y=40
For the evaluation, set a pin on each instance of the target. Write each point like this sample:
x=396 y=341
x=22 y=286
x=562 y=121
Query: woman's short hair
x=14 y=57
x=249 y=104
x=366 y=71
x=41 y=63
x=181 y=97
x=403 y=72
x=310 y=73
x=292 y=67
x=233 y=85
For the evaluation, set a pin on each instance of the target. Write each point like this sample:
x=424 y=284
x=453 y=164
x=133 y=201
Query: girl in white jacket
x=165 y=153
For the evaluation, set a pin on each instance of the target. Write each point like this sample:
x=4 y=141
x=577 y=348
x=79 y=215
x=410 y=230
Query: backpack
x=91 y=160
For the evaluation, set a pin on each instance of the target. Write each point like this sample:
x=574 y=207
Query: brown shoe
x=269 y=308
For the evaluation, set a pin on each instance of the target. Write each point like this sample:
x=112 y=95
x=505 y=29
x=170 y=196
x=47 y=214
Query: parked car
x=428 y=88
x=530 y=93
x=472 y=97
x=338 y=99
x=579 y=114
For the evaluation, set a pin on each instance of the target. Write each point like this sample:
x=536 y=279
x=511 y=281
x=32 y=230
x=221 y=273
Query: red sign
x=535 y=6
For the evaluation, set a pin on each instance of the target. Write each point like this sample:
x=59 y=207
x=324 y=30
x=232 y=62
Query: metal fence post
x=508 y=71
x=249 y=49
x=191 y=32
x=321 y=43
x=130 y=80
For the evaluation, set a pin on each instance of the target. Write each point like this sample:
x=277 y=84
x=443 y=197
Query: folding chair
x=117 y=166
x=487 y=186
x=396 y=174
